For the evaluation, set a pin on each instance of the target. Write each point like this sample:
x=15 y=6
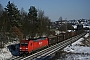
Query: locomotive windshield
x=24 y=44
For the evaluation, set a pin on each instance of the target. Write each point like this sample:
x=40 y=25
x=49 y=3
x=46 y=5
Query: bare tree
x=43 y=23
x=17 y=31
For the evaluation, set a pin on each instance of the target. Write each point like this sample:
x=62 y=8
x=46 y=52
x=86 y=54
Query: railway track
x=50 y=50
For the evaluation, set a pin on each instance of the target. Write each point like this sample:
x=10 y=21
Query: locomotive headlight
x=20 y=48
x=26 y=48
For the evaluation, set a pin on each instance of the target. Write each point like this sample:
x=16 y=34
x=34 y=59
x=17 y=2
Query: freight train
x=30 y=45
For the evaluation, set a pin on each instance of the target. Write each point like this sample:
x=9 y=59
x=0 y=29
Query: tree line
x=15 y=22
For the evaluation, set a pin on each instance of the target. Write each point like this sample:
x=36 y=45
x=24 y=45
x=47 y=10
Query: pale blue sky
x=70 y=9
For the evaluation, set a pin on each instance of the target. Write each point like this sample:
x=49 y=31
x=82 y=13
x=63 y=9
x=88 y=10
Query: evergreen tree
x=13 y=17
x=1 y=14
x=13 y=14
x=33 y=21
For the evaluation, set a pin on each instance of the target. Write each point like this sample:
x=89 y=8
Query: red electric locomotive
x=27 y=46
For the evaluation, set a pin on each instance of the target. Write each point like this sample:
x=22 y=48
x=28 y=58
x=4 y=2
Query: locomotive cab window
x=24 y=44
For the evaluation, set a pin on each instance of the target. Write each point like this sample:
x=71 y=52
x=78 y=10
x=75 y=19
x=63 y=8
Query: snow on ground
x=11 y=43
x=77 y=42
x=86 y=35
x=9 y=50
x=5 y=54
x=76 y=48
